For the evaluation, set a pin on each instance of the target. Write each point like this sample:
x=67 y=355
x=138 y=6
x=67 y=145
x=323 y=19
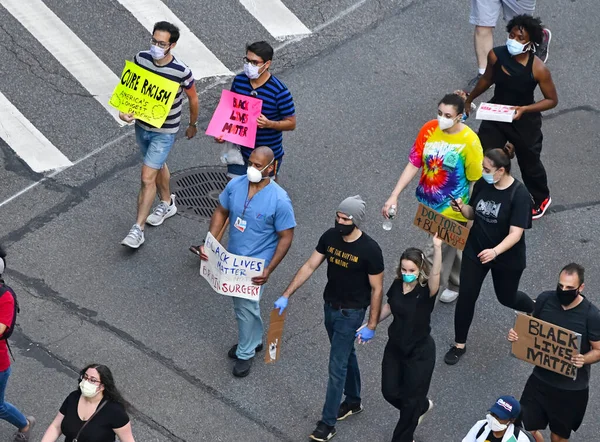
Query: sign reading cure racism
x=451 y=232
x=146 y=95
x=235 y=118
x=546 y=345
x=230 y=274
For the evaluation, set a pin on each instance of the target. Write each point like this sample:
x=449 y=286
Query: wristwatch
x=194 y=124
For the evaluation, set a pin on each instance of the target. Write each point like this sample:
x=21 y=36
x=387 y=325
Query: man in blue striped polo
x=156 y=142
x=278 y=111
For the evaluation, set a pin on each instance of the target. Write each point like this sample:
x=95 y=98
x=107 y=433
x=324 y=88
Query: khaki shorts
x=486 y=12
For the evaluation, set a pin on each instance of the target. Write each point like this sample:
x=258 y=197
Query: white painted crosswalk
x=45 y=25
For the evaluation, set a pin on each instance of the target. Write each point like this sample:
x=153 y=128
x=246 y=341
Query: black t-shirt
x=584 y=319
x=101 y=427
x=412 y=315
x=349 y=265
x=495 y=211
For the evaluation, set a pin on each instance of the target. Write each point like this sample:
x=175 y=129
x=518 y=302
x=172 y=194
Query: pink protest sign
x=235 y=119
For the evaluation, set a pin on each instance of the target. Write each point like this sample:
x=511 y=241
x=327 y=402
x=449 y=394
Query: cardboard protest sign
x=230 y=274
x=145 y=94
x=495 y=112
x=274 y=336
x=451 y=232
x=546 y=345
x=235 y=119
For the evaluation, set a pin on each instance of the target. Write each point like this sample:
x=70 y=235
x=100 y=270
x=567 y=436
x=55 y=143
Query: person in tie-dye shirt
x=449 y=155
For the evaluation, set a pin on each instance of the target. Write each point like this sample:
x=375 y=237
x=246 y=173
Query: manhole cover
x=197 y=191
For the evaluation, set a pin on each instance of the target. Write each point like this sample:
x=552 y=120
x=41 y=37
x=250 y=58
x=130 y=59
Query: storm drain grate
x=197 y=191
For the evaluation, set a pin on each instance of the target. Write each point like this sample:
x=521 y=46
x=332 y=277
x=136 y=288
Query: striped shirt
x=176 y=71
x=277 y=105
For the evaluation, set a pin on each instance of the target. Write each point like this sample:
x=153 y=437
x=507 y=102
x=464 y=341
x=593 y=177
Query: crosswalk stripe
x=276 y=18
x=67 y=48
x=192 y=51
x=28 y=142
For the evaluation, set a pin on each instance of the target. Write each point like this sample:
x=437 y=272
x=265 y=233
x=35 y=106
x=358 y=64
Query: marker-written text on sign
x=448 y=230
x=146 y=95
x=235 y=118
x=546 y=345
x=230 y=274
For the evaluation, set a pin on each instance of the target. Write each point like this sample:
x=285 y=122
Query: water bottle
x=387 y=223
x=465 y=116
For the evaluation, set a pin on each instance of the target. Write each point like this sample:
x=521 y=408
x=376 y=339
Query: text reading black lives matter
x=240 y=118
x=552 y=348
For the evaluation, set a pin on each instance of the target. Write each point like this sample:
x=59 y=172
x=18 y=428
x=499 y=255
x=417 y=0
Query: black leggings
x=405 y=382
x=506 y=283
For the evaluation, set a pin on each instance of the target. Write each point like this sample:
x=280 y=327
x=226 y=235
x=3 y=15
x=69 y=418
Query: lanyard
x=247 y=203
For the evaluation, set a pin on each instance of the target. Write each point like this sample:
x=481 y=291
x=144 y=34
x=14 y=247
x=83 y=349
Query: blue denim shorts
x=154 y=146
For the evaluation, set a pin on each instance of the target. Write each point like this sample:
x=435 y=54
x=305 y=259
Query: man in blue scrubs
x=261 y=226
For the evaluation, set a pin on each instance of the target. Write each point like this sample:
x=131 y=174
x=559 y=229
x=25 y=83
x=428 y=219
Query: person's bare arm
x=514 y=235
x=283 y=245
x=542 y=74
x=217 y=221
x=484 y=83
x=124 y=433
x=305 y=272
x=288 y=123
x=409 y=172
x=194 y=106
x=591 y=357
x=53 y=432
x=376 y=282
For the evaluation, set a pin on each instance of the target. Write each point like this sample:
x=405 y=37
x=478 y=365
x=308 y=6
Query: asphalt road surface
x=364 y=82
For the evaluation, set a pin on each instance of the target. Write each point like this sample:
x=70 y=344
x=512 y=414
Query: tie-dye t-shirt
x=448 y=164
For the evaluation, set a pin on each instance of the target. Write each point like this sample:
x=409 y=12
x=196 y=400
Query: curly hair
x=111 y=392
x=532 y=25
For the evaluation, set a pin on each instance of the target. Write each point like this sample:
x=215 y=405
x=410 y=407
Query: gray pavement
x=363 y=87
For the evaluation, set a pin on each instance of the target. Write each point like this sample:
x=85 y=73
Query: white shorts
x=486 y=12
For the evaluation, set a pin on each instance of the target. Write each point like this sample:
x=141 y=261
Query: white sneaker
x=448 y=296
x=135 y=237
x=426 y=411
x=162 y=212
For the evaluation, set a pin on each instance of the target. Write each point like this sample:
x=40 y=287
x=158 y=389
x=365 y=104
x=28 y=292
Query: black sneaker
x=323 y=432
x=347 y=410
x=241 y=369
x=454 y=354
x=472 y=83
x=232 y=350
x=542 y=50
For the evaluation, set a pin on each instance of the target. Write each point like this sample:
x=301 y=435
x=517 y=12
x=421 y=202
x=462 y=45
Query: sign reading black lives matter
x=546 y=345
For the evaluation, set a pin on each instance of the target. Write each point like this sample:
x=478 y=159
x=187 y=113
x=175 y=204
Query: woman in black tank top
x=516 y=72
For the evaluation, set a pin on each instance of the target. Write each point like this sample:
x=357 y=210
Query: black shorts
x=543 y=404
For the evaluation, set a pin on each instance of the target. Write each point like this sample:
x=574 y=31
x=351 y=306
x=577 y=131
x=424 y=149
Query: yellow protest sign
x=145 y=94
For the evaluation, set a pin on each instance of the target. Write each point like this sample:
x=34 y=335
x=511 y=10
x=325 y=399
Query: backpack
x=10 y=328
x=518 y=430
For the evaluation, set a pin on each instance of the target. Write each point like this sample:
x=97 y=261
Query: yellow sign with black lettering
x=146 y=95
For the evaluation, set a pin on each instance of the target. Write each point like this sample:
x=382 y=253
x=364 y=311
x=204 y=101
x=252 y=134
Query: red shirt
x=7 y=310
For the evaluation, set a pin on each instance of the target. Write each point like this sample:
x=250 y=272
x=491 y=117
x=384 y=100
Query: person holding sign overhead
x=449 y=155
x=409 y=356
x=155 y=143
x=354 y=282
x=500 y=208
x=549 y=397
x=516 y=72
x=278 y=111
x=262 y=226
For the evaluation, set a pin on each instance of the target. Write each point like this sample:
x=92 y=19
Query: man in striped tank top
x=278 y=111
x=156 y=142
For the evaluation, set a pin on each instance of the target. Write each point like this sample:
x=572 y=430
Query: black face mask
x=566 y=297
x=344 y=229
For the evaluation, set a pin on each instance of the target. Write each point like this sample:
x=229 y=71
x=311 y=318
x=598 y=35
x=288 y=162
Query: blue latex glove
x=365 y=334
x=281 y=304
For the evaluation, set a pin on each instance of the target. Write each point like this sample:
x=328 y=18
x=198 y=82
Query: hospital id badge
x=240 y=224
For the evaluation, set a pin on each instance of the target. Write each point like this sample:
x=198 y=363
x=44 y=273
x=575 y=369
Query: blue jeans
x=9 y=412
x=154 y=146
x=344 y=375
x=250 y=326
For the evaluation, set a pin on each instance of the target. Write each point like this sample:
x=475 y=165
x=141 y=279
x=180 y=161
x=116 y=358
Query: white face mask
x=515 y=47
x=494 y=424
x=251 y=71
x=254 y=175
x=88 y=389
x=445 y=123
x=157 y=53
